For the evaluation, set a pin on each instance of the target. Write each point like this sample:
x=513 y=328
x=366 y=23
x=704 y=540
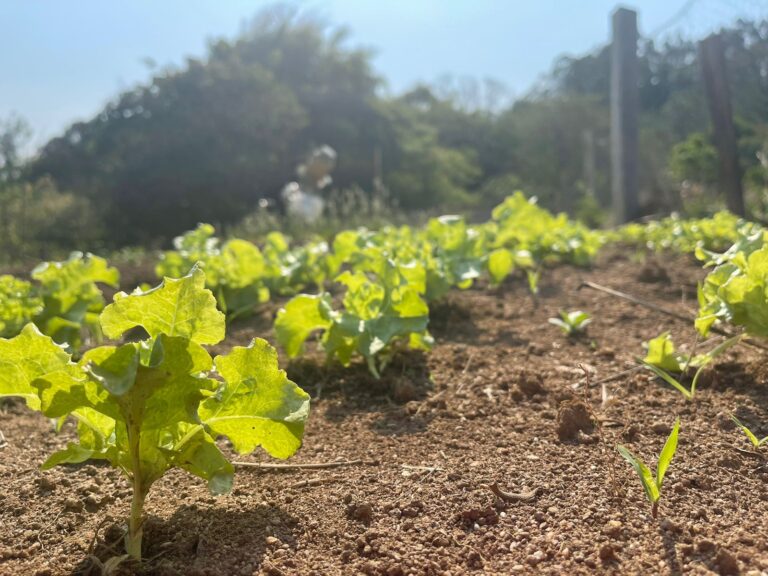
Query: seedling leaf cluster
x=63 y=299
x=160 y=403
x=652 y=484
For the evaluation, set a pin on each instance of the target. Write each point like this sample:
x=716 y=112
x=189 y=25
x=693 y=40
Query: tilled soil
x=500 y=403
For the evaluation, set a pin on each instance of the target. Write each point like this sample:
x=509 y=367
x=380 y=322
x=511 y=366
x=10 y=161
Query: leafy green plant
x=64 y=300
x=19 y=303
x=663 y=360
x=533 y=277
x=291 y=269
x=662 y=354
x=652 y=484
x=572 y=323
x=756 y=443
x=457 y=256
x=735 y=291
x=518 y=223
x=72 y=300
x=380 y=311
x=235 y=271
x=695 y=235
x=150 y=406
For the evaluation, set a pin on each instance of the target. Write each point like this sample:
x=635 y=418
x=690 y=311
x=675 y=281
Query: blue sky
x=64 y=59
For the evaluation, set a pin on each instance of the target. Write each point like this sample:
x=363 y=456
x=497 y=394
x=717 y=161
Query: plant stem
x=135 y=521
x=655 y=509
x=135 y=529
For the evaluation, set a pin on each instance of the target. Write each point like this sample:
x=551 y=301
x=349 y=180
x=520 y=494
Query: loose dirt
x=500 y=406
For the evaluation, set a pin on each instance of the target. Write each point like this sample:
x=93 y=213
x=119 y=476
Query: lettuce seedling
x=19 y=303
x=652 y=485
x=234 y=271
x=664 y=361
x=64 y=301
x=288 y=269
x=756 y=443
x=688 y=393
x=377 y=315
x=150 y=406
x=572 y=323
x=455 y=255
x=533 y=277
x=734 y=291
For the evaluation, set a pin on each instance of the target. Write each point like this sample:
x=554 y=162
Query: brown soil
x=488 y=405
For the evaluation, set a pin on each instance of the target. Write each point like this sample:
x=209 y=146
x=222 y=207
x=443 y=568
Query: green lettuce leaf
x=178 y=307
x=25 y=358
x=257 y=405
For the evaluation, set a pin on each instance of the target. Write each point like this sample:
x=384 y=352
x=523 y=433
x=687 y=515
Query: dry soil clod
x=574 y=416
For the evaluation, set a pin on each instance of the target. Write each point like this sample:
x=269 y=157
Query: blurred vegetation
x=208 y=140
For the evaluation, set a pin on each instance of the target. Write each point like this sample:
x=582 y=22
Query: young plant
x=456 y=255
x=289 y=270
x=533 y=277
x=150 y=406
x=756 y=443
x=735 y=291
x=72 y=300
x=652 y=484
x=688 y=393
x=19 y=303
x=377 y=315
x=572 y=323
x=664 y=361
x=234 y=271
x=64 y=301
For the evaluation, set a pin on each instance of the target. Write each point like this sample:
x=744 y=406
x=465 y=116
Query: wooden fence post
x=624 y=111
x=712 y=54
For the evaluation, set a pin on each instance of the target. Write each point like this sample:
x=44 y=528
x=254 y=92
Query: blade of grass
x=646 y=478
x=670 y=447
x=669 y=379
x=752 y=438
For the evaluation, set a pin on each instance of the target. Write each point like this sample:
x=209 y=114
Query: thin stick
x=635 y=300
x=310 y=466
x=314 y=482
x=609 y=378
x=667 y=311
x=421 y=468
x=749 y=453
x=466 y=367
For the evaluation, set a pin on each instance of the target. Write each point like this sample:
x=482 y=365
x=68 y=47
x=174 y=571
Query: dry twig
x=421 y=468
x=650 y=305
x=309 y=466
x=750 y=453
x=314 y=482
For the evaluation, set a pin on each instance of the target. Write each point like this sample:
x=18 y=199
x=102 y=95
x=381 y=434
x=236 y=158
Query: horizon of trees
x=208 y=140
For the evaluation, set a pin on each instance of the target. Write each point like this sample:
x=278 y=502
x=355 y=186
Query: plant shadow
x=451 y=321
x=670 y=552
x=199 y=541
x=743 y=377
x=353 y=391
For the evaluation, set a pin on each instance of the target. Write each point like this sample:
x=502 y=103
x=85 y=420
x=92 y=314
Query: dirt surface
x=501 y=399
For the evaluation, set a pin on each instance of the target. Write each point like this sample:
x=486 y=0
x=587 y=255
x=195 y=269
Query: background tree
x=208 y=140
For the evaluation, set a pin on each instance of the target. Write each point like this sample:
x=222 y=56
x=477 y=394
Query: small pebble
x=613 y=528
x=73 y=505
x=660 y=428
